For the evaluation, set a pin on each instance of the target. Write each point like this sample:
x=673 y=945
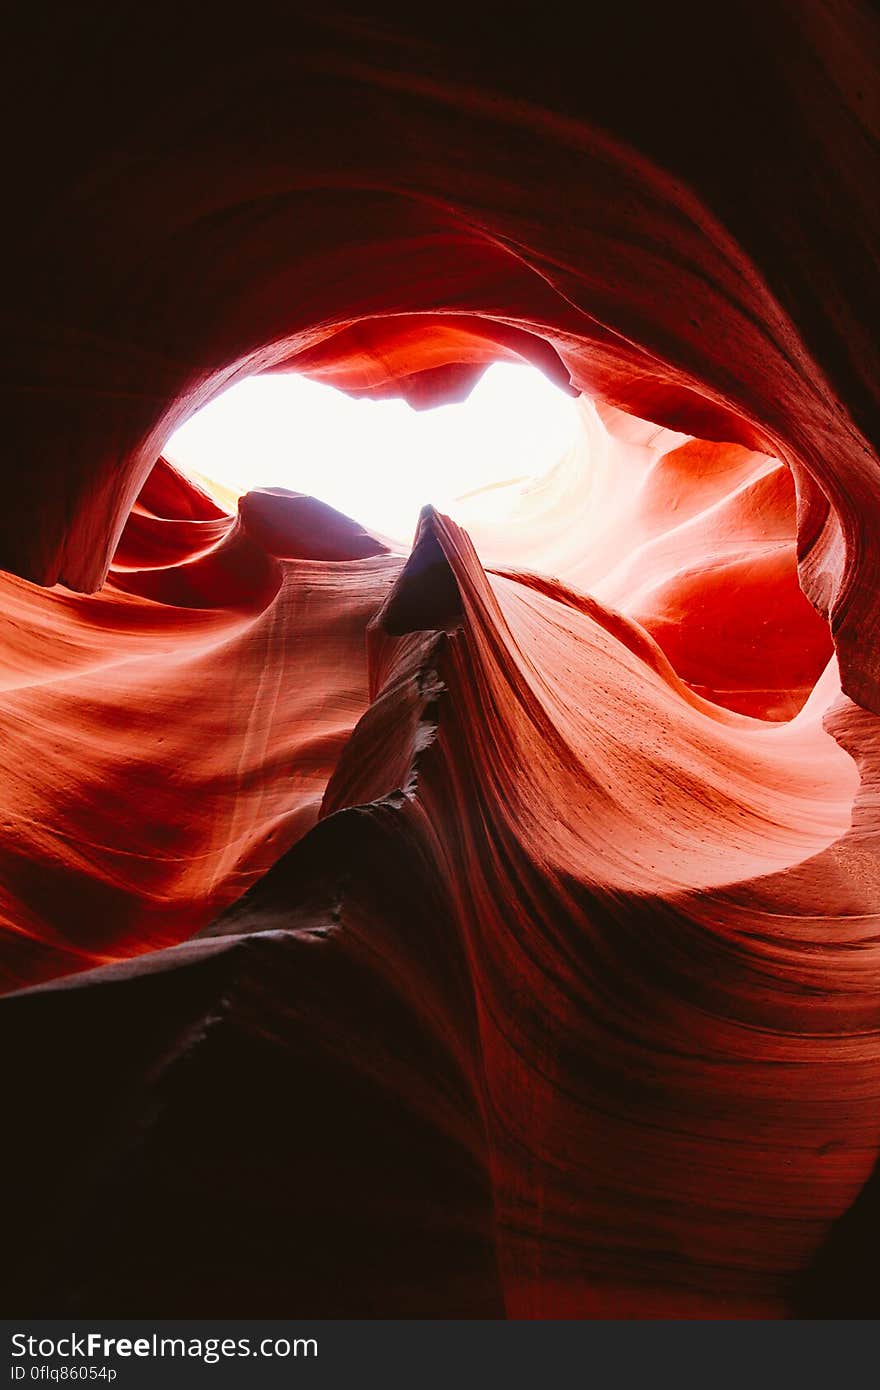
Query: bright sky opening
x=381 y=461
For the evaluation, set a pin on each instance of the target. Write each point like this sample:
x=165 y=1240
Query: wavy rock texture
x=695 y=541
x=166 y=739
x=489 y=931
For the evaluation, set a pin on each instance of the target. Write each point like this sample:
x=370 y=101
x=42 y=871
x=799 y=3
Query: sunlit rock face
x=488 y=930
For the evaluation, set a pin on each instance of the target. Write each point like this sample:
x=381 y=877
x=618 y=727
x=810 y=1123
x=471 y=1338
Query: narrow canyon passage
x=464 y=912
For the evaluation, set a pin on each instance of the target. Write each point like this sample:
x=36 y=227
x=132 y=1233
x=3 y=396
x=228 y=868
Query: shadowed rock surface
x=490 y=931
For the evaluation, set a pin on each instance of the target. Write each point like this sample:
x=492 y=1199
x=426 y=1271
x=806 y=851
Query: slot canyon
x=484 y=923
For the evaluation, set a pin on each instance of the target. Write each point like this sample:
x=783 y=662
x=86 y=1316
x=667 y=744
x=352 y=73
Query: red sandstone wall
x=568 y=958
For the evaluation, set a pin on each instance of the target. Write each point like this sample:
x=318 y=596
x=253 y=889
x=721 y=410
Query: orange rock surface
x=491 y=930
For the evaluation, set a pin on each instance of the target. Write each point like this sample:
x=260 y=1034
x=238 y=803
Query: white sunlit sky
x=379 y=461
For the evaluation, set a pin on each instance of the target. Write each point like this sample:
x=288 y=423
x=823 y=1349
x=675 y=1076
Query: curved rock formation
x=489 y=931
x=166 y=739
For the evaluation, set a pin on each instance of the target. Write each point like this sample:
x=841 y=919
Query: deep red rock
x=491 y=931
